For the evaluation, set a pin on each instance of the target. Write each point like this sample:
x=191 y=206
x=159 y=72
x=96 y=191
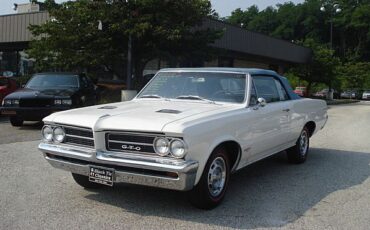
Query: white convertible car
x=187 y=130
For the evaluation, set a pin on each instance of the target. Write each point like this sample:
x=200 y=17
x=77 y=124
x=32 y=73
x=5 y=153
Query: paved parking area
x=329 y=191
x=8 y=134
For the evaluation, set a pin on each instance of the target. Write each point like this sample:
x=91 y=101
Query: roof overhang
x=15 y=35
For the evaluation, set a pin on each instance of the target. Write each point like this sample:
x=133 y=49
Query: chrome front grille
x=131 y=142
x=79 y=136
x=79 y=132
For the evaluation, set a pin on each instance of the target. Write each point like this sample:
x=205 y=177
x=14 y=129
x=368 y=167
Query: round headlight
x=178 y=148
x=7 y=102
x=162 y=146
x=59 y=134
x=47 y=133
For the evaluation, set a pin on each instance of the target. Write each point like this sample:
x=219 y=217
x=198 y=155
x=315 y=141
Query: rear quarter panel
x=306 y=110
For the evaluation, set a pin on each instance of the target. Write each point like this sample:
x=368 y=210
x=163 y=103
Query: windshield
x=206 y=86
x=53 y=81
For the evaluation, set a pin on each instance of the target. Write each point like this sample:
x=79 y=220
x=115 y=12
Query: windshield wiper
x=194 y=97
x=150 y=96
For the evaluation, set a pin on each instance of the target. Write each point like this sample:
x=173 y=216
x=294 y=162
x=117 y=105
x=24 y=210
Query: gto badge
x=131 y=147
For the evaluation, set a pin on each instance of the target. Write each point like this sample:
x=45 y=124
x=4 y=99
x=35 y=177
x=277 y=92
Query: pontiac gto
x=188 y=129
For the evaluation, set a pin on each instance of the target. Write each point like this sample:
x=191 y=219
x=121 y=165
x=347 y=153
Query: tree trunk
x=308 y=89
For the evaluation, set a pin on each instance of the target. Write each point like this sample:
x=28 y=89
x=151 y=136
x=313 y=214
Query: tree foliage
x=323 y=67
x=306 y=24
x=355 y=75
x=71 y=39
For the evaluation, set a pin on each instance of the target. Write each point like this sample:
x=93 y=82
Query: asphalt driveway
x=329 y=191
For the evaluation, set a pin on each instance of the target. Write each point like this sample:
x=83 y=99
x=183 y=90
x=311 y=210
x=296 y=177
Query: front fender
x=201 y=148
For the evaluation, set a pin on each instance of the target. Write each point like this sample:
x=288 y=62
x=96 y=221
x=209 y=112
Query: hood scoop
x=169 y=111
x=108 y=107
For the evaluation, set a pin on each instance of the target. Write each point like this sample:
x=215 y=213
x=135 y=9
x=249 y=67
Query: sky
x=223 y=7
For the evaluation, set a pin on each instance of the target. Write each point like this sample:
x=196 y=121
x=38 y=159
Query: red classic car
x=7 y=86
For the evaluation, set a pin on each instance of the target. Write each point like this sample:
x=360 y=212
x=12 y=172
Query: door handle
x=286 y=110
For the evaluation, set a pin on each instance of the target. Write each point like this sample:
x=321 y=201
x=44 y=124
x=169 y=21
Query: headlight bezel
x=7 y=102
x=51 y=133
x=164 y=153
x=170 y=151
x=10 y=102
x=63 y=133
x=184 y=147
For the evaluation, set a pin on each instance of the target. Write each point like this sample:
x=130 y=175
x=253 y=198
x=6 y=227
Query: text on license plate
x=101 y=175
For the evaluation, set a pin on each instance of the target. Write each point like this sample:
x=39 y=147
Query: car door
x=274 y=117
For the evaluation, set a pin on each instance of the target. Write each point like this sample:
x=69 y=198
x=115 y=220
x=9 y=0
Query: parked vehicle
x=324 y=94
x=46 y=93
x=301 y=91
x=348 y=94
x=7 y=86
x=187 y=130
x=366 y=95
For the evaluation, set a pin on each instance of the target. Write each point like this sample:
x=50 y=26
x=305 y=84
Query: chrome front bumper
x=175 y=174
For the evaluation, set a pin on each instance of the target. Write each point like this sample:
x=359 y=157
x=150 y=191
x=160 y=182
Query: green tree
x=323 y=68
x=240 y=17
x=306 y=22
x=71 y=39
x=355 y=75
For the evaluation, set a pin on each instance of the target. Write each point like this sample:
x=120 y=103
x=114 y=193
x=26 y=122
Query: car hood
x=138 y=115
x=30 y=93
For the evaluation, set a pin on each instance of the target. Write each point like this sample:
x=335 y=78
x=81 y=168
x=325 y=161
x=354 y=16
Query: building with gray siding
x=238 y=47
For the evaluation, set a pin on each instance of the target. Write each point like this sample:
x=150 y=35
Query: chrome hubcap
x=303 y=142
x=217 y=176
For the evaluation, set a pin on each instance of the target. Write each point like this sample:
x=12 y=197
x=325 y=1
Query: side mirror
x=23 y=85
x=262 y=101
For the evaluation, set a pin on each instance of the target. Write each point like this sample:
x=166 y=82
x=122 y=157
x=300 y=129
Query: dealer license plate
x=101 y=175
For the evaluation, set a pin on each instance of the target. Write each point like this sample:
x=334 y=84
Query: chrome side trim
x=81 y=137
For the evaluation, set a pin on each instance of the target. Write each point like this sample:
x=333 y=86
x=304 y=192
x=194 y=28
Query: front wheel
x=298 y=153
x=211 y=188
x=16 y=121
